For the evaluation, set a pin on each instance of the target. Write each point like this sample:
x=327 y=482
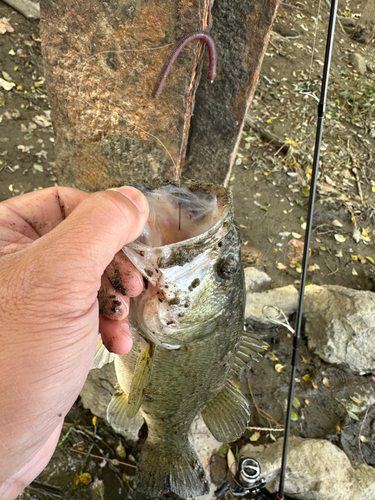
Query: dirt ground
x=270 y=189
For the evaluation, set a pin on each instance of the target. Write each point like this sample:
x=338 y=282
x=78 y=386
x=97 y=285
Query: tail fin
x=162 y=470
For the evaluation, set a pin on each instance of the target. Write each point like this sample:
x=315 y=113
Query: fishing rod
x=310 y=212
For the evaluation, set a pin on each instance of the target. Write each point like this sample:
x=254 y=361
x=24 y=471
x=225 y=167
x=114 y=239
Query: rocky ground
x=334 y=401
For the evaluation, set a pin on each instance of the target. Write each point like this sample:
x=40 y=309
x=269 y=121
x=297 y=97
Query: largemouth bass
x=188 y=337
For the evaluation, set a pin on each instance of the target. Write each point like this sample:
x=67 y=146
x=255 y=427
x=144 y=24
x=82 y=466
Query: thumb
x=87 y=240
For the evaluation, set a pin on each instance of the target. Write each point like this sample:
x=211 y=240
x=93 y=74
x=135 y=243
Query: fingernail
x=136 y=197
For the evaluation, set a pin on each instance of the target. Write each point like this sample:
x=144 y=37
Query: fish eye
x=227 y=266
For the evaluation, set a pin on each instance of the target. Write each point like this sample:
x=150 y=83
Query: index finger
x=35 y=214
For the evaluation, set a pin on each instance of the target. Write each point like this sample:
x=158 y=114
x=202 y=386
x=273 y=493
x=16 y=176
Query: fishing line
x=310 y=212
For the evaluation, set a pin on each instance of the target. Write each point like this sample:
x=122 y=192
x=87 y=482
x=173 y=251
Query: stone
x=256 y=280
x=358 y=63
x=316 y=470
x=98 y=389
x=285 y=298
x=340 y=326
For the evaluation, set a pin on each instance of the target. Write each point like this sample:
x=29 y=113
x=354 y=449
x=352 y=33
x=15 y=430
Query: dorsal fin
x=248 y=350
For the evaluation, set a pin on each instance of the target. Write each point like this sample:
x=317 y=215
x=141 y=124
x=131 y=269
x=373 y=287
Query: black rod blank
x=310 y=212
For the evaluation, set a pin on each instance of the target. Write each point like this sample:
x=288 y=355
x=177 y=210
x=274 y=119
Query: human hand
x=57 y=249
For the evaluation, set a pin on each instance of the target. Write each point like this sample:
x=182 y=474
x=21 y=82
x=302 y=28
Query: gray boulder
x=256 y=280
x=340 y=326
x=316 y=470
x=284 y=298
x=358 y=63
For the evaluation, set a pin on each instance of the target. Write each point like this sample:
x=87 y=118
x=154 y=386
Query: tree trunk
x=364 y=31
x=102 y=62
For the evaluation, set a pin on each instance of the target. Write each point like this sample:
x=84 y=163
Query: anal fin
x=117 y=414
x=227 y=415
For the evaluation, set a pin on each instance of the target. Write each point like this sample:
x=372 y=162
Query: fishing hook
x=199 y=35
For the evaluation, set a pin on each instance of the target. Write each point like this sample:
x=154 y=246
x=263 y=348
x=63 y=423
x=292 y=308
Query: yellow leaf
x=94 y=420
x=280 y=266
x=338 y=428
x=296 y=235
x=354 y=257
x=279 y=367
x=373 y=189
x=326 y=382
x=354 y=272
x=76 y=480
x=85 y=478
x=364 y=233
x=314 y=384
x=255 y=436
x=273 y=357
x=306 y=377
x=307 y=402
x=363 y=439
x=371 y=260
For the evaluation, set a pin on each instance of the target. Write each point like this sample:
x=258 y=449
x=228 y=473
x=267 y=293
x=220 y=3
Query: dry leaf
x=273 y=357
x=354 y=272
x=280 y=266
x=326 y=382
x=279 y=367
x=255 y=436
x=42 y=121
x=6 y=85
x=5 y=26
x=306 y=377
x=336 y=223
x=231 y=462
x=340 y=238
x=314 y=384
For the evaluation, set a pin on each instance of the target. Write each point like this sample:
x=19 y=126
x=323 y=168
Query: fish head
x=189 y=255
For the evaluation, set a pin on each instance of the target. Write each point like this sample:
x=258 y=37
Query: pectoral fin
x=141 y=377
x=117 y=414
x=227 y=415
x=102 y=355
x=248 y=351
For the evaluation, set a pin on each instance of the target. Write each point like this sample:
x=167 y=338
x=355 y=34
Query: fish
x=188 y=336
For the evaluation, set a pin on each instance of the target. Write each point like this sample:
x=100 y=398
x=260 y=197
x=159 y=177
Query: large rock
x=340 y=326
x=98 y=390
x=256 y=280
x=316 y=470
x=284 y=298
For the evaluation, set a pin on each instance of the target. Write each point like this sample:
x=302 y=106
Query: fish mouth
x=175 y=250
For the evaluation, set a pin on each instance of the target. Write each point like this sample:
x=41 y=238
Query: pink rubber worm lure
x=199 y=35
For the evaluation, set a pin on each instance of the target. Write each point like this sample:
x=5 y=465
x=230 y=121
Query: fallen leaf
x=338 y=428
x=336 y=223
x=255 y=436
x=340 y=238
x=354 y=272
x=371 y=260
x=296 y=403
x=296 y=235
x=280 y=266
x=326 y=382
x=356 y=400
x=231 y=462
x=6 y=85
x=38 y=168
x=273 y=357
x=85 y=478
x=353 y=415
x=306 y=377
x=307 y=402
x=363 y=439
x=293 y=416
x=314 y=384
x=5 y=26
x=42 y=121
x=279 y=367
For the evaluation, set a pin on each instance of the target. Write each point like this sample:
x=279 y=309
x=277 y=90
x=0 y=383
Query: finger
x=86 y=241
x=116 y=335
x=37 y=213
x=124 y=277
x=112 y=303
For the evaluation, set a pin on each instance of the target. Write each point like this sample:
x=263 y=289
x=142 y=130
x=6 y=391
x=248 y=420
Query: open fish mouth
x=177 y=254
